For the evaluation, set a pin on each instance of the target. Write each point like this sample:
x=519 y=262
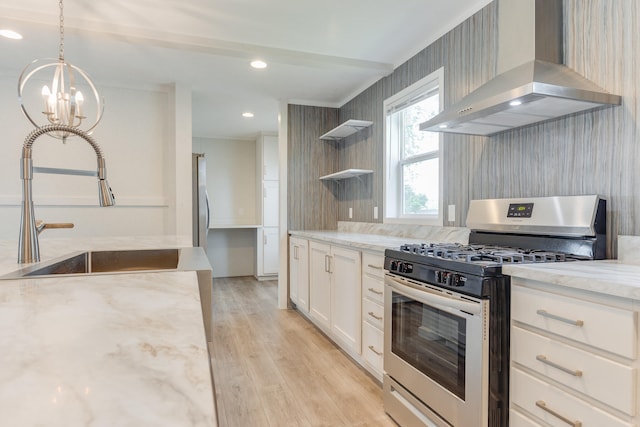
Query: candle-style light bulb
x=46 y=94
x=79 y=101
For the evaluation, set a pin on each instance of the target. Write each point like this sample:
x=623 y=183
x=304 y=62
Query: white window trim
x=391 y=176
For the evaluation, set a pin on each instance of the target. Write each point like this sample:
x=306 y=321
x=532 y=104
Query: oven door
x=436 y=348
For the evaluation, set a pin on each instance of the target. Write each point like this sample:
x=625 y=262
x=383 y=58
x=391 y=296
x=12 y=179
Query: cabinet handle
x=327 y=263
x=372 y=314
x=377 y=267
x=542 y=405
x=264 y=239
x=544 y=313
x=295 y=253
x=372 y=348
x=375 y=291
x=543 y=359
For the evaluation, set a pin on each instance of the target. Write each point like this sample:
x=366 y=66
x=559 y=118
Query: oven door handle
x=429 y=297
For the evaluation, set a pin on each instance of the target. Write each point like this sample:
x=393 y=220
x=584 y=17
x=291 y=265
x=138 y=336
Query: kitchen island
x=103 y=349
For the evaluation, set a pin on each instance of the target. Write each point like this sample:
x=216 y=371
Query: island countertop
x=104 y=350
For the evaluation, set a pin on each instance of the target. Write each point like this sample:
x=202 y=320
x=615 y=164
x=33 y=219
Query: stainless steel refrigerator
x=200 y=201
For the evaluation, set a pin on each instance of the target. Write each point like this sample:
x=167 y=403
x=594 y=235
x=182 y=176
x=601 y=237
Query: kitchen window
x=413 y=184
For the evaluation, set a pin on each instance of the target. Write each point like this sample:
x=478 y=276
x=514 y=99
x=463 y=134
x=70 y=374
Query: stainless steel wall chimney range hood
x=532 y=85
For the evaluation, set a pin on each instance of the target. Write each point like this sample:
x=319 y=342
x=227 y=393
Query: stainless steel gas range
x=446 y=332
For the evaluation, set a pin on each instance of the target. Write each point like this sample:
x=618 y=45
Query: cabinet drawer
x=373 y=313
x=529 y=392
x=582 y=371
x=373 y=288
x=373 y=264
x=516 y=419
x=372 y=342
x=608 y=328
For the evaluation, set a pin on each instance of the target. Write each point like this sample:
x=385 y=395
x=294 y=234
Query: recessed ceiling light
x=10 y=34
x=247 y=114
x=258 y=64
x=443 y=126
x=515 y=103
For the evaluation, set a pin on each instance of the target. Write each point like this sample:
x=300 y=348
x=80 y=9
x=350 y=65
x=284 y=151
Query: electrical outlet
x=350 y=213
x=452 y=213
x=375 y=212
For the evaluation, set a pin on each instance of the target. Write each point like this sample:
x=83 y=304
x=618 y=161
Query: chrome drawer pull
x=542 y=405
x=372 y=348
x=543 y=359
x=375 y=292
x=544 y=313
x=372 y=314
x=374 y=266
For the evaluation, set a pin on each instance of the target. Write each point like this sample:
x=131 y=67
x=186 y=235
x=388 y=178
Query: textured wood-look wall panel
x=593 y=152
x=311 y=203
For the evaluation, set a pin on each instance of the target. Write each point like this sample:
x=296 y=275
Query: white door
x=270 y=203
x=346 y=299
x=270 y=250
x=320 y=284
x=270 y=158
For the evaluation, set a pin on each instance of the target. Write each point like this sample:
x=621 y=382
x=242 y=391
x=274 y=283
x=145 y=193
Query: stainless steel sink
x=104 y=262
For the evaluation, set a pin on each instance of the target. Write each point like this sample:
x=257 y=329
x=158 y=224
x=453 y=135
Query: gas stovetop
x=484 y=253
x=475 y=259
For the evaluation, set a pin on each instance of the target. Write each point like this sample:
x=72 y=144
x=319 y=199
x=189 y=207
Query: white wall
x=134 y=138
x=231 y=184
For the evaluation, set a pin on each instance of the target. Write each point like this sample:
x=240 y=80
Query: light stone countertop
x=362 y=241
x=609 y=277
x=103 y=350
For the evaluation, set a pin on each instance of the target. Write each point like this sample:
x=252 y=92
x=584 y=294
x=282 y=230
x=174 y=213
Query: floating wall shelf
x=345 y=129
x=347 y=173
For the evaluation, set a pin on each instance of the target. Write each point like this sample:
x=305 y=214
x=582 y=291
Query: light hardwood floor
x=272 y=367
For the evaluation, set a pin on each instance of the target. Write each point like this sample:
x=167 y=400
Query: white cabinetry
x=334 y=293
x=267 y=236
x=345 y=297
x=573 y=358
x=320 y=284
x=372 y=312
x=299 y=273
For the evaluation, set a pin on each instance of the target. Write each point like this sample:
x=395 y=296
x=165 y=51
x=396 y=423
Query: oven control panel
x=449 y=279
x=434 y=276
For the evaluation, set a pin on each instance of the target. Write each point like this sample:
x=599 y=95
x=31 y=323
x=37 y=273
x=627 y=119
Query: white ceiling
x=319 y=53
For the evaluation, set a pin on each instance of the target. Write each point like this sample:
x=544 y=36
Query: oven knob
x=458 y=280
x=408 y=268
x=393 y=265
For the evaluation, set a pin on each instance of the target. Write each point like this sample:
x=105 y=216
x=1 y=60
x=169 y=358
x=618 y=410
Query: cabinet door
x=346 y=320
x=270 y=191
x=270 y=252
x=320 y=284
x=299 y=273
x=294 y=271
x=270 y=158
x=303 y=275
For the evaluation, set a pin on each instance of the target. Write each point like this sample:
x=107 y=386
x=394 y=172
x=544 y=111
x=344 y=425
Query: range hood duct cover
x=535 y=85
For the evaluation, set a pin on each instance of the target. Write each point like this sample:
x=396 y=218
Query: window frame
x=393 y=162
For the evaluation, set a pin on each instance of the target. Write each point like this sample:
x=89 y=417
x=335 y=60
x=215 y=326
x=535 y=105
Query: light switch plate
x=350 y=213
x=375 y=212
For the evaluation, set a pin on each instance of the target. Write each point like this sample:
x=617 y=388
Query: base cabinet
x=299 y=273
x=574 y=358
x=343 y=296
x=320 y=284
x=373 y=313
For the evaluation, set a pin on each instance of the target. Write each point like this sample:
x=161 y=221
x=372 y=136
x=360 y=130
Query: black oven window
x=431 y=340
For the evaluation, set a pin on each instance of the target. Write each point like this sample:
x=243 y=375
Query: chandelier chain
x=61 y=50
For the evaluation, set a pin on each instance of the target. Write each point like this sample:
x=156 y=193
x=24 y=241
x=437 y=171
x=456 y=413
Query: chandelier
x=61 y=100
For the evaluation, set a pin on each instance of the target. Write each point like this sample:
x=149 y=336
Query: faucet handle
x=41 y=225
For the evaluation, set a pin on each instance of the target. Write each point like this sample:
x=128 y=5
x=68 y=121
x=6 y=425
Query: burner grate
x=482 y=253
